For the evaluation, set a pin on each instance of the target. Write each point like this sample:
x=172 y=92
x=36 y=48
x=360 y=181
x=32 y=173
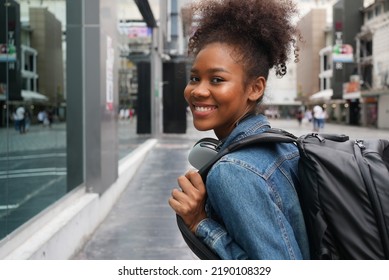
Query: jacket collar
x=249 y=125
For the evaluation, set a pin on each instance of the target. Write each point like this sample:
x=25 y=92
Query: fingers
x=178 y=198
x=185 y=184
x=192 y=211
x=185 y=200
x=193 y=193
x=196 y=180
x=181 y=203
x=175 y=203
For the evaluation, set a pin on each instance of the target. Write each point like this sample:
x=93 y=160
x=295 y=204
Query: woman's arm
x=189 y=202
x=249 y=208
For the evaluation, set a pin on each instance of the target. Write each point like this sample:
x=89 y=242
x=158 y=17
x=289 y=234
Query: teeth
x=203 y=109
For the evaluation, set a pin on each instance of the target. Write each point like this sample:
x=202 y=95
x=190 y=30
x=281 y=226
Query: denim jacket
x=252 y=205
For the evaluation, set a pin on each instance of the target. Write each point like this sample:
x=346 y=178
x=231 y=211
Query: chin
x=201 y=126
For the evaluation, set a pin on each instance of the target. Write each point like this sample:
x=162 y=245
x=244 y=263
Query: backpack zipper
x=360 y=144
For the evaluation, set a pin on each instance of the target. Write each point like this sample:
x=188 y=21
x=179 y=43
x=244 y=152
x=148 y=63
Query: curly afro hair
x=262 y=31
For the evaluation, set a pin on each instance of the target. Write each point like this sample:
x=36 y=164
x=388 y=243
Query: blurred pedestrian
x=323 y=118
x=15 y=120
x=42 y=116
x=299 y=116
x=20 y=114
x=122 y=115
x=317 y=117
x=308 y=116
x=27 y=117
x=132 y=114
x=50 y=117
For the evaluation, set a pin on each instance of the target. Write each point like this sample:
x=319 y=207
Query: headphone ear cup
x=208 y=140
x=203 y=151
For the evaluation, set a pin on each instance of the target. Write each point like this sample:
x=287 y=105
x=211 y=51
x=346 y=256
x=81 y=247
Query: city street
x=142 y=225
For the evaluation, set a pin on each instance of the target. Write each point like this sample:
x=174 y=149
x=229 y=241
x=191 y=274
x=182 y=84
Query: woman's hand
x=189 y=202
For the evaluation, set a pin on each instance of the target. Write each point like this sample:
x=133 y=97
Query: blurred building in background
x=347 y=62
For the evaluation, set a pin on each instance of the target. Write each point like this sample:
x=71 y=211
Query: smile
x=204 y=108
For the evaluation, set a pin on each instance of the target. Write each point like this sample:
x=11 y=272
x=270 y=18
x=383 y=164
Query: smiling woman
x=248 y=208
x=216 y=92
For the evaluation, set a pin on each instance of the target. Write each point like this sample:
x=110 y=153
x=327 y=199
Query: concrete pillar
x=92 y=94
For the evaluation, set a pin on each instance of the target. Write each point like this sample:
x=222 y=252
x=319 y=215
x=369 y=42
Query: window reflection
x=33 y=109
x=135 y=43
x=38 y=147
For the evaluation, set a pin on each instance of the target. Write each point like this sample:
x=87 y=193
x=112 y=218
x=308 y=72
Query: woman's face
x=216 y=92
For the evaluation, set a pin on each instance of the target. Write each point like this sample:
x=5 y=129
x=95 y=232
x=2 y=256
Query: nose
x=200 y=90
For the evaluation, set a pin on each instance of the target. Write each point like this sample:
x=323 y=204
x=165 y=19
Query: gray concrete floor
x=142 y=225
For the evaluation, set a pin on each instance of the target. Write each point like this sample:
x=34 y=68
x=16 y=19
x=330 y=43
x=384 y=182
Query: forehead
x=217 y=55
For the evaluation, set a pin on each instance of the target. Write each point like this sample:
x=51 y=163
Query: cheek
x=187 y=91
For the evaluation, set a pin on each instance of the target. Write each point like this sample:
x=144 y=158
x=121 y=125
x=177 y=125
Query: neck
x=248 y=114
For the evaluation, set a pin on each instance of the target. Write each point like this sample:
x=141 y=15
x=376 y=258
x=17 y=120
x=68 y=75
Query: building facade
x=312 y=27
x=353 y=62
x=65 y=157
x=373 y=64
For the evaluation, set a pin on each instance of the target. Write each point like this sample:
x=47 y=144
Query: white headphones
x=203 y=151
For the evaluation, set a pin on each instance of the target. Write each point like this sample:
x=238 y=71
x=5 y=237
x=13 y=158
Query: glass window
x=377 y=10
x=33 y=171
x=370 y=14
x=134 y=124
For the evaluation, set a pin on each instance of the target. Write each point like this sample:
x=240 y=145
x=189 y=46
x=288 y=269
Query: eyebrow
x=212 y=70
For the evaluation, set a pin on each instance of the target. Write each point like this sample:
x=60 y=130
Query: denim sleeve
x=254 y=226
x=216 y=238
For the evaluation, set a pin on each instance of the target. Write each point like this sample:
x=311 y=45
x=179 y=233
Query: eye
x=193 y=79
x=217 y=80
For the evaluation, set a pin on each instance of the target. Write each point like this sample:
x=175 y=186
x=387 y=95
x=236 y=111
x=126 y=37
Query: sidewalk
x=142 y=225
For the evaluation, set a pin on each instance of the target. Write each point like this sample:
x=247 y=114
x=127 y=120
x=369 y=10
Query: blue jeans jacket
x=252 y=205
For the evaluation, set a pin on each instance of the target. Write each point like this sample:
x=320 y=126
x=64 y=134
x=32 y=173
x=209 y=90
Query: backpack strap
x=272 y=135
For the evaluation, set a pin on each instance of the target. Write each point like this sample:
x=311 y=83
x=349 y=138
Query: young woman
x=249 y=208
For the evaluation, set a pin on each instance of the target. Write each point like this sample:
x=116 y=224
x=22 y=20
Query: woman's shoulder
x=261 y=159
x=259 y=151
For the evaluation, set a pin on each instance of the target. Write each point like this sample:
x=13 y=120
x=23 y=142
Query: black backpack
x=344 y=194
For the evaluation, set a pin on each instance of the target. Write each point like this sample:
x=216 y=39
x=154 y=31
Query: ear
x=257 y=89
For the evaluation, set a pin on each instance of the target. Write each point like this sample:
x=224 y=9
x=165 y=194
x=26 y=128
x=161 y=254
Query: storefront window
x=55 y=136
x=33 y=171
x=135 y=43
